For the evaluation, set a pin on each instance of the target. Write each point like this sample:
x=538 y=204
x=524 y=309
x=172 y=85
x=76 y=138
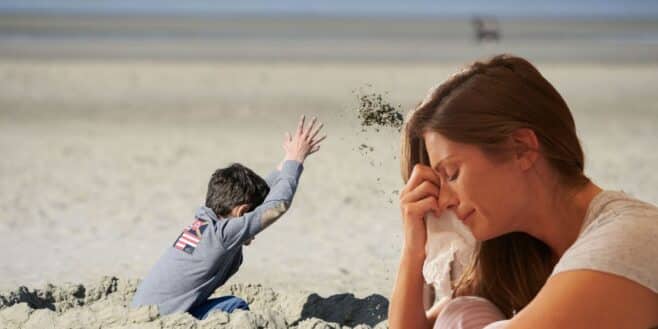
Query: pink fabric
x=470 y=312
x=497 y=325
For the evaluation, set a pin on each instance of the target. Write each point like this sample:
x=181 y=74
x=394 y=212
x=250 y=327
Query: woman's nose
x=447 y=198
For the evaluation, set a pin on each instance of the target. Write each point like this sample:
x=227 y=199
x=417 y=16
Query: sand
x=104 y=162
x=106 y=305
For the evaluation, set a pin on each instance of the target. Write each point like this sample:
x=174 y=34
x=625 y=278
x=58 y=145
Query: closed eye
x=454 y=176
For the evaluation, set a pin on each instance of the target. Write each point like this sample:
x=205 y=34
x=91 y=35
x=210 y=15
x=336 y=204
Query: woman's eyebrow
x=438 y=164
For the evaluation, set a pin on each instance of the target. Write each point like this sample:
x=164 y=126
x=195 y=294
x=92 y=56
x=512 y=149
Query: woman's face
x=487 y=195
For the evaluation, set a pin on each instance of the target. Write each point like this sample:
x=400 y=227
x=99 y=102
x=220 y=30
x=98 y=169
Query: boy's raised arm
x=283 y=185
x=237 y=230
x=271 y=178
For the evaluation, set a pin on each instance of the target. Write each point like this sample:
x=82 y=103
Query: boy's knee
x=226 y=304
x=232 y=303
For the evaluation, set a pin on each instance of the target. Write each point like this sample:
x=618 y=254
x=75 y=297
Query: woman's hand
x=303 y=142
x=418 y=197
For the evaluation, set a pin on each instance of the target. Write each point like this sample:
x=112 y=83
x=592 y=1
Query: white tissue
x=448 y=249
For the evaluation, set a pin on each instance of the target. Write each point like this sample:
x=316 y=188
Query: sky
x=502 y=8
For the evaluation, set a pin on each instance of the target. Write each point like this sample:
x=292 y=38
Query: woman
x=497 y=144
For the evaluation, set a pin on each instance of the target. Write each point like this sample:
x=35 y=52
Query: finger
x=423 y=190
x=418 y=209
x=307 y=131
x=422 y=173
x=317 y=130
x=314 y=149
x=300 y=126
x=288 y=137
x=317 y=141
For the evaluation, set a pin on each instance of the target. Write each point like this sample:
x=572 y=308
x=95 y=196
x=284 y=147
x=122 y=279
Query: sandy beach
x=103 y=162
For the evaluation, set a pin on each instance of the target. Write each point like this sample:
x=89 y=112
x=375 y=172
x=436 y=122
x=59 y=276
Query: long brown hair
x=482 y=105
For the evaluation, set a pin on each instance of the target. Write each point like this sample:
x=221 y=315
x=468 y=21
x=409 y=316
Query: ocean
x=340 y=38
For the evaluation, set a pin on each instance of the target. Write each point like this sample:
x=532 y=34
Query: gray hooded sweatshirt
x=209 y=251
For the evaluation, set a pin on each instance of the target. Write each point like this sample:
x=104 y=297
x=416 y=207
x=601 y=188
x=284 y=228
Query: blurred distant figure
x=486 y=29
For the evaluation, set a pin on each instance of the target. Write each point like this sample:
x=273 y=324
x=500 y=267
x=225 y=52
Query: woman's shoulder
x=614 y=255
x=617 y=206
x=617 y=213
x=618 y=237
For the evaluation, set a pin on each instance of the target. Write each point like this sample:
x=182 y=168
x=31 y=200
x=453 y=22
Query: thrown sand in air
x=375 y=111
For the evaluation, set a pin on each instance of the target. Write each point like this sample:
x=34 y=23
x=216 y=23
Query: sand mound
x=106 y=305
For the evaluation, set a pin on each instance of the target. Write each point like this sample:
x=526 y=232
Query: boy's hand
x=303 y=142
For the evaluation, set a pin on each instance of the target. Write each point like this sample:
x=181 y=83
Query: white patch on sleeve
x=272 y=214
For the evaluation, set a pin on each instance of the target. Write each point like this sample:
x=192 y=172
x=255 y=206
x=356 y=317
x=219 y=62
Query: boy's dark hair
x=235 y=185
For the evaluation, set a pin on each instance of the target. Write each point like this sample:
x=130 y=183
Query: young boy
x=239 y=204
